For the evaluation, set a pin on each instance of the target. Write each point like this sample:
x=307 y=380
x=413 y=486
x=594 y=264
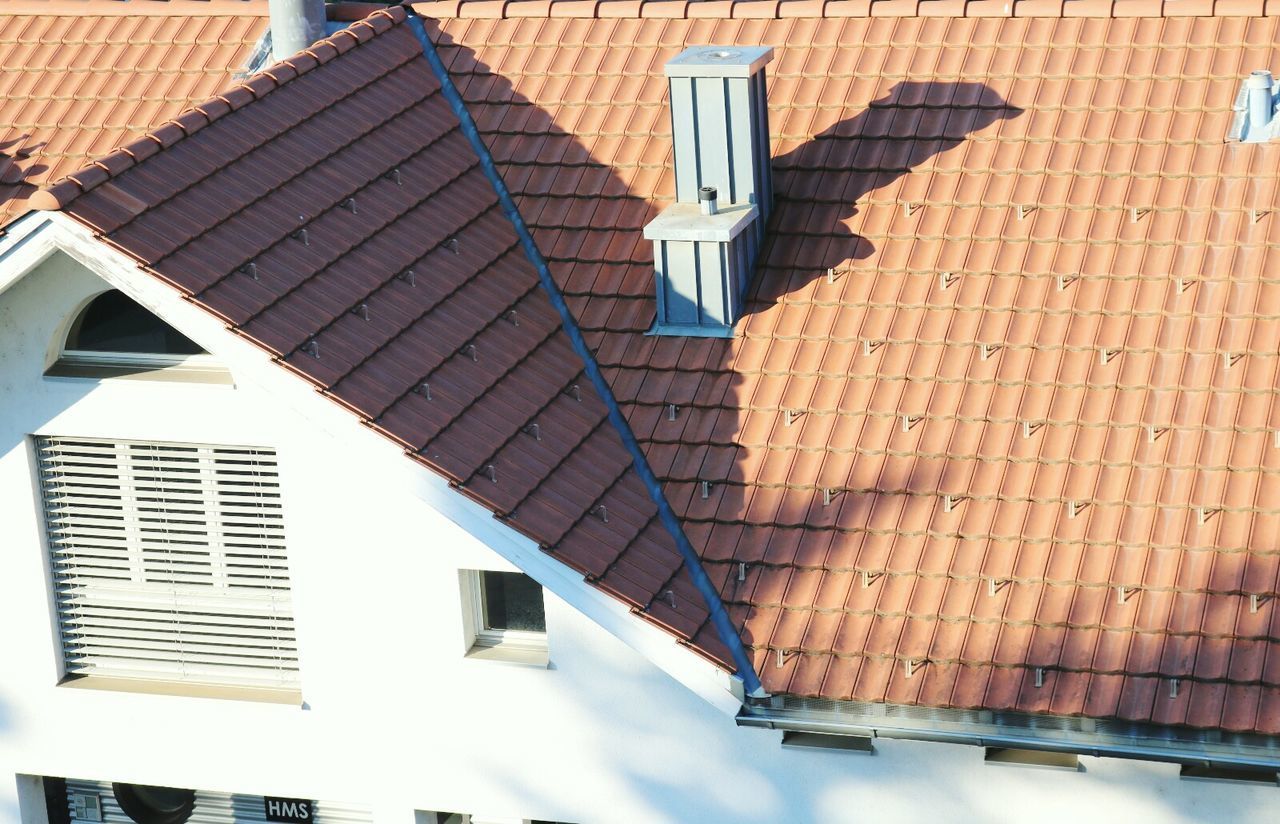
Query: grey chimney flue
x=295 y=25
x=706 y=243
x=708 y=198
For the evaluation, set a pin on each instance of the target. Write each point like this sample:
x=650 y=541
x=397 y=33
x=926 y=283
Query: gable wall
x=396 y=717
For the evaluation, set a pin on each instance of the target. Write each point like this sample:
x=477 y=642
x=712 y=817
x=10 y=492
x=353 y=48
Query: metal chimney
x=720 y=124
x=295 y=25
x=705 y=244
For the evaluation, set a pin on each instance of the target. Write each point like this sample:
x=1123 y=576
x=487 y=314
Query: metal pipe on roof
x=1261 y=105
x=295 y=25
x=707 y=196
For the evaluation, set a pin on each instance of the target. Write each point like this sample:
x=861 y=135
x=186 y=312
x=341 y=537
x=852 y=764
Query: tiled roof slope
x=331 y=210
x=999 y=429
x=837 y=9
x=80 y=79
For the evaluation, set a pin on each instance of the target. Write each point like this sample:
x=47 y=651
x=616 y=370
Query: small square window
x=505 y=617
x=511 y=601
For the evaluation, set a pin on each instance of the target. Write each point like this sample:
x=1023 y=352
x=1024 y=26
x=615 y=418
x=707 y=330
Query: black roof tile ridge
x=60 y=194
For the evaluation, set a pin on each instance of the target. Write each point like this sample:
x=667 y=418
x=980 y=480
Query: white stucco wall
x=395 y=716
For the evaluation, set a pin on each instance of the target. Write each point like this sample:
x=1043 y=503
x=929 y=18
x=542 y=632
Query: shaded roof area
x=1005 y=397
x=82 y=77
x=331 y=211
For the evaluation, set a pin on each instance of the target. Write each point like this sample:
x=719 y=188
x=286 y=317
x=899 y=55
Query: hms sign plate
x=287 y=809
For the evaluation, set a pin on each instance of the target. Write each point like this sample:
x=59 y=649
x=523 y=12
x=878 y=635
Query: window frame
x=95 y=364
x=482 y=641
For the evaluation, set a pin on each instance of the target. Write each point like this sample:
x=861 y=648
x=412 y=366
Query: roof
x=1019 y=310
x=82 y=77
x=331 y=211
x=998 y=429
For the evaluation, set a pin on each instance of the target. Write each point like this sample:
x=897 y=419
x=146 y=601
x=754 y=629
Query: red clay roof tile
x=1053 y=390
x=118 y=97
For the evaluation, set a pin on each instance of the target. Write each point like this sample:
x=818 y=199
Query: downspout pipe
x=719 y=615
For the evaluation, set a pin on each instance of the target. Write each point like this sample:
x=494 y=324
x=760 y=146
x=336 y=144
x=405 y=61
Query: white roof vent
x=705 y=245
x=1255 y=120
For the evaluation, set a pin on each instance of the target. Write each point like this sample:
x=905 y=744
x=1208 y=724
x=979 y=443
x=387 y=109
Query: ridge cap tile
x=191 y=121
x=260 y=84
x=281 y=72
x=116 y=162
x=237 y=97
x=167 y=134
x=322 y=52
x=214 y=108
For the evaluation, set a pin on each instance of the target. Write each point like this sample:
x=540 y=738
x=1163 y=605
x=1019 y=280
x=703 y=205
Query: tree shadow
x=830 y=174
x=13 y=152
x=588 y=187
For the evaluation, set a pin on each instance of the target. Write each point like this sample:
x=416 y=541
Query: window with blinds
x=169 y=561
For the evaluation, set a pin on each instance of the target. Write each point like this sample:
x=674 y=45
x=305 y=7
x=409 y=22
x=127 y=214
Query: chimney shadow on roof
x=823 y=184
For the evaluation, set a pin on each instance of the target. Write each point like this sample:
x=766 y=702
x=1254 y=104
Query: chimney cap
x=1259 y=79
x=719 y=61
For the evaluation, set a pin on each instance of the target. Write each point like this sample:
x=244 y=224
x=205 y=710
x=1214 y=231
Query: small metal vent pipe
x=295 y=25
x=707 y=199
x=1261 y=106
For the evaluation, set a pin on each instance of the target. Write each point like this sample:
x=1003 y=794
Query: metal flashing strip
x=719 y=616
x=1048 y=733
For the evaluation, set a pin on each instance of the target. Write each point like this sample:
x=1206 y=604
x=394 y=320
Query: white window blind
x=169 y=561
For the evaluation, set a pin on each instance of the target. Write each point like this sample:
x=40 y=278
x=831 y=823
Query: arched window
x=114 y=322
x=115 y=336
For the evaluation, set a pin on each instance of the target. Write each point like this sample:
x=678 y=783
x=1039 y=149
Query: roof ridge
x=788 y=9
x=59 y=194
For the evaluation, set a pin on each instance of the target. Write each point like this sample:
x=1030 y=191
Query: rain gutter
x=719 y=616
x=1079 y=736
